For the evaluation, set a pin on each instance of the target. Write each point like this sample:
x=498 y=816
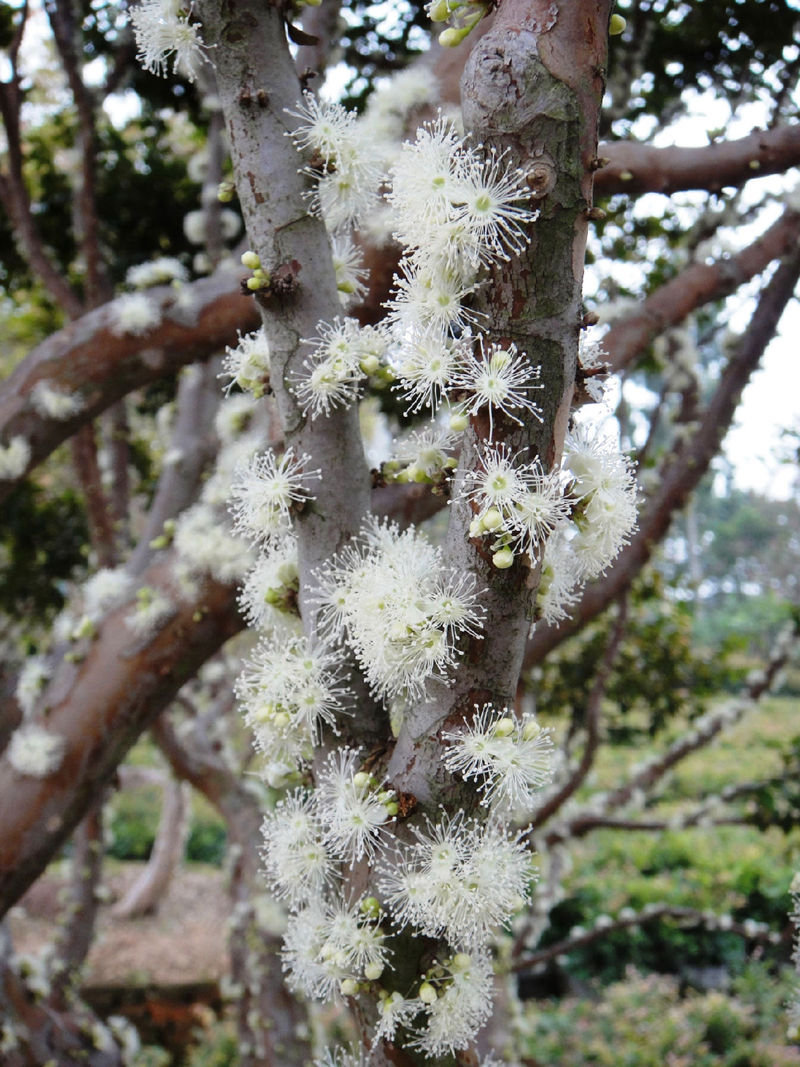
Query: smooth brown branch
x=640 y=168
x=91 y=358
x=99 y=706
x=684 y=467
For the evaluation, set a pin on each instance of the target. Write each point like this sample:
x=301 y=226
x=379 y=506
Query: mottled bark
x=531 y=86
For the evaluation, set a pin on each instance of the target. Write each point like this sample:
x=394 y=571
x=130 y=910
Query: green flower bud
x=492 y=520
x=459 y=422
x=616 y=25
x=226 y=191
x=503 y=558
x=250 y=260
x=427 y=994
x=373 y=971
x=504 y=727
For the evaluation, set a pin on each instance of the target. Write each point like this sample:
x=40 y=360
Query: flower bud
x=427 y=994
x=503 y=558
x=459 y=422
x=616 y=25
x=492 y=520
x=373 y=971
x=250 y=260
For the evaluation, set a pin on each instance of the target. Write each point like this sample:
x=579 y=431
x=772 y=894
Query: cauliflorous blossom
x=248 y=364
x=54 y=402
x=152 y=609
x=271 y=584
x=332 y=374
x=348 y=266
x=163 y=30
x=134 y=313
x=33 y=675
x=427 y=367
x=604 y=482
x=509 y=757
x=462 y=1003
x=266 y=490
x=297 y=861
x=460 y=879
x=159 y=271
x=384 y=595
x=352 y=806
x=287 y=688
x=499 y=483
x=501 y=379
x=340 y=157
x=14 y=458
x=34 y=751
x=326 y=946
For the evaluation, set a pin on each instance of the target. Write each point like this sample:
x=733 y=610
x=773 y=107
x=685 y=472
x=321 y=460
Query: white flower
x=286 y=691
x=422 y=180
x=562 y=575
x=341 y=158
x=35 y=751
x=163 y=30
x=134 y=313
x=459 y=880
x=32 y=678
x=399 y=610
x=326 y=945
x=271 y=585
x=393 y=1011
x=352 y=807
x=54 y=403
x=486 y=197
x=462 y=1005
x=295 y=855
x=267 y=490
x=159 y=271
x=348 y=266
x=14 y=458
x=426 y=453
x=427 y=366
x=331 y=375
x=499 y=483
x=106 y=589
x=248 y=364
x=604 y=481
x=541 y=509
x=510 y=757
x=501 y=379
x=153 y=608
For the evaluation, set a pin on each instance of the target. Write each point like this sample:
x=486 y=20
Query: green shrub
x=645 y=1022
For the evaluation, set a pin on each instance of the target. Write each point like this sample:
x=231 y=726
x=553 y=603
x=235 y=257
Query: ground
x=184 y=943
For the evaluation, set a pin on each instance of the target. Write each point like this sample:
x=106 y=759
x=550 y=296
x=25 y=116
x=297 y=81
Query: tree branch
x=639 y=168
x=695 y=286
x=91 y=358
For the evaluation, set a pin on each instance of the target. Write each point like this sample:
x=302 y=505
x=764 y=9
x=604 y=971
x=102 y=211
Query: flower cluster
x=286 y=691
x=390 y=599
x=460 y=880
x=163 y=29
x=266 y=491
x=509 y=756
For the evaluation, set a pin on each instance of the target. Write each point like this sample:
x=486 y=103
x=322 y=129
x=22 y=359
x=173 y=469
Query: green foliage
x=44 y=541
x=217 y=1046
x=646 y=1022
x=134 y=823
x=658 y=673
x=207 y=839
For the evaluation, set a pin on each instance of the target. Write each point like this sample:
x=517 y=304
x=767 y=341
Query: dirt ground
x=184 y=943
